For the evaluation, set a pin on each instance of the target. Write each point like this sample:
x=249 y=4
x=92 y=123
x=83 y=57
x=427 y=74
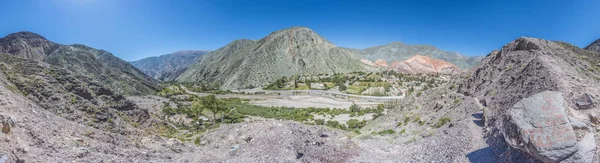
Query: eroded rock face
x=424 y=65
x=381 y=63
x=539 y=126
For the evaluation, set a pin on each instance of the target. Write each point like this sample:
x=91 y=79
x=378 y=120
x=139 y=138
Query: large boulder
x=539 y=126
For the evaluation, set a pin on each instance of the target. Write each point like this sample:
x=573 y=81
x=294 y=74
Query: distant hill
x=169 y=66
x=594 y=46
x=247 y=63
x=419 y=64
x=96 y=66
x=400 y=51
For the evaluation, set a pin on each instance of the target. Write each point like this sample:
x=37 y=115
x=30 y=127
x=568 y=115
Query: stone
x=578 y=124
x=6 y=127
x=3 y=158
x=234 y=149
x=584 y=101
x=587 y=146
x=594 y=118
x=538 y=126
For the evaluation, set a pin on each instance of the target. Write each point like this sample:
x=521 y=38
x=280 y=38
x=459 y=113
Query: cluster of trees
x=278 y=84
x=171 y=91
x=217 y=108
x=203 y=87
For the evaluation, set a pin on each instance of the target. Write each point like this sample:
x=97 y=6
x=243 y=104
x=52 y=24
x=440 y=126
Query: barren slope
x=80 y=60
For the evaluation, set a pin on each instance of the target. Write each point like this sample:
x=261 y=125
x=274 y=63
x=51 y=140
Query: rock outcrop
x=511 y=83
x=419 y=64
x=538 y=125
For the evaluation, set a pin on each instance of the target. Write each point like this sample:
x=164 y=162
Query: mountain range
x=287 y=52
x=399 y=51
x=294 y=51
x=169 y=66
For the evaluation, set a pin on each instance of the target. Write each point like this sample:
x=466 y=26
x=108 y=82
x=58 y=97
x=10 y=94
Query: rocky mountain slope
x=75 y=82
x=594 y=46
x=540 y=98
x=400 y=51
x=419 y=64
x=246 y=63
x=79 y=60
x=532 y=101
x=169 y=66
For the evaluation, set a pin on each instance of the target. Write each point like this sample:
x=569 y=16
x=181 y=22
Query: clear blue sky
x=133 y=29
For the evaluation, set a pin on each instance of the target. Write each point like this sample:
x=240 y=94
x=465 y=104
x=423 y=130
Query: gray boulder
x=538 y=126
x=584 y=101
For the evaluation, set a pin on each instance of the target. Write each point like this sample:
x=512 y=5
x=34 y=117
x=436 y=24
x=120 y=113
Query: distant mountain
x=594 y=46
x=400 y=51
x=419 y=64
x=169 y=66
x=80 y=61
x=247 y=63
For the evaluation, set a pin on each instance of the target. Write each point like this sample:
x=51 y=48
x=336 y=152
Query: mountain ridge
x=286 y=52
x=400 y=51
x=80 y=59
x=168 y=67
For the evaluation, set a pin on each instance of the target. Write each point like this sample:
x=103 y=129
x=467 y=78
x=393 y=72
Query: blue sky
x=133 y=29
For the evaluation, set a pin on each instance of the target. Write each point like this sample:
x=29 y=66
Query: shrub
x=197 y=141
x=417 y=118
x=441 y=122
x=355 y=124
x=386 y=132
x=319 y=121
x=403 y=131
x=406 y=119
x=457 y=101
x=399 y=124
x=354 y=108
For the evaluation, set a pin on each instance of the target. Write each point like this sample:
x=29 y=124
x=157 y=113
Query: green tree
x=342 y=87
x=213 y=104
x=354 y=108
x=197 y=107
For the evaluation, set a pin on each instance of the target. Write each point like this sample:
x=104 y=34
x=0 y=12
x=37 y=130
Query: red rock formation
x=367 y=62
x=381 y=63
x=424 y=65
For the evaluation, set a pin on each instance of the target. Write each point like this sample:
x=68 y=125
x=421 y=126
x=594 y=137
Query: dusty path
x=481 y=152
